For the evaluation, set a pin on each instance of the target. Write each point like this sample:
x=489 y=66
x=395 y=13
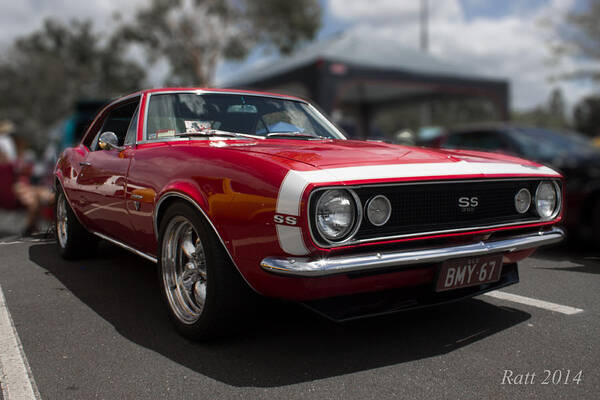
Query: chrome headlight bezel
x=353 y=227
x=558 y=204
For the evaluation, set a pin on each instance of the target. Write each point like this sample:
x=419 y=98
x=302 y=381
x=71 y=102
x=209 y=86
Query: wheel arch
x=58 y=181
x=171 y=197
x=58 y=185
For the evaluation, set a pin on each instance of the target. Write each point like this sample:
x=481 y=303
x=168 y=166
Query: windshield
x=179 y=114
x=542 y=144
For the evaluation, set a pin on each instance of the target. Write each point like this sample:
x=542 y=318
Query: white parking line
x=546 y=305
x=15 y=375
x=26 y=241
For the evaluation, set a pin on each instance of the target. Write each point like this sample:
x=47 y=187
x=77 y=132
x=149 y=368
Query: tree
x=194 y=35
x=45 y=72
x=587 y=116
x=551 y=115
x=556 y=105
x=579 y=36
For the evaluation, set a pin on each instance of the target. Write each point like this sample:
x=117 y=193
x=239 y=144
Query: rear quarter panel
x=67 y=170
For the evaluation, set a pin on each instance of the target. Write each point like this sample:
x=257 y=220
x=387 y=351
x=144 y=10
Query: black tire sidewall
x=80 y=243
x=221 y=280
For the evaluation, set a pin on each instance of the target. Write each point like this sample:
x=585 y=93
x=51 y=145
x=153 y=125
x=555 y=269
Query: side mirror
x=108 y=141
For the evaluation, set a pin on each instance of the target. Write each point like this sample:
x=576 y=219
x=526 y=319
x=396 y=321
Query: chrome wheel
x=62 y=221
x=184 y=270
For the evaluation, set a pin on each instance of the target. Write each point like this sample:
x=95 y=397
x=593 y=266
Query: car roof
x=189 y=89
x=210 y=90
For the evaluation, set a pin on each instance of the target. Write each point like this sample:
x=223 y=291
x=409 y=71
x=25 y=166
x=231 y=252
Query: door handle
x=85 y=163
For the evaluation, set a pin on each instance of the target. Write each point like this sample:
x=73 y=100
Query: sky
x=504 y=39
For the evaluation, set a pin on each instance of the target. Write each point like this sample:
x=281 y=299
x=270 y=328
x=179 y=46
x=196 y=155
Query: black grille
x=429 y=207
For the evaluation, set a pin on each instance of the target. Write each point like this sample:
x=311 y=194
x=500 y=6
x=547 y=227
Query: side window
x=132 y=130
x=118 y=121
x=92 y=137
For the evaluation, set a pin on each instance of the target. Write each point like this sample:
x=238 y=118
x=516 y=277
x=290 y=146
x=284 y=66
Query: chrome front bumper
x=305 y=267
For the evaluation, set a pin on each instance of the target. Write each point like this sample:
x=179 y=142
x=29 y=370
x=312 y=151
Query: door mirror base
x=108 y=141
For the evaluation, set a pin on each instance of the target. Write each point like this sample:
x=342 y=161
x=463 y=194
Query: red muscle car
x=228 y=190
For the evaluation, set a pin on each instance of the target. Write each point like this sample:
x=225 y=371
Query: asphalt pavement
x=97 y=329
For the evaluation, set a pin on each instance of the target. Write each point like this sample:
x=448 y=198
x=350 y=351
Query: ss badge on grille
x=468 y=204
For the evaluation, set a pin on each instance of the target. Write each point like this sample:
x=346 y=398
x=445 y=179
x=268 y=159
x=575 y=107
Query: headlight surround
x=547 y=200
x=337 y=214
x=522 y=201
x=378 y=210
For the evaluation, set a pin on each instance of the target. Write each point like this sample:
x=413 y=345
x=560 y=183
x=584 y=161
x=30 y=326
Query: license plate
x=463 y=272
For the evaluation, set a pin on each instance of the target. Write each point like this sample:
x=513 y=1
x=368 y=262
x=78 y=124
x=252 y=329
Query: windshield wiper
x=294 y=135
x=216 y=132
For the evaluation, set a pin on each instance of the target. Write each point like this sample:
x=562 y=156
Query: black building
x=356 y=74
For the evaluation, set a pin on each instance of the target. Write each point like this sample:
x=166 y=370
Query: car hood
x=351 y=153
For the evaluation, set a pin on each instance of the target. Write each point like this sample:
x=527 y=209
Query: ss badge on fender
x=280 y=219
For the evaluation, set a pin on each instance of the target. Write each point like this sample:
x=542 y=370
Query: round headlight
x=547 y=200
x=336 y=214
x=522 y=201
x=379 y=210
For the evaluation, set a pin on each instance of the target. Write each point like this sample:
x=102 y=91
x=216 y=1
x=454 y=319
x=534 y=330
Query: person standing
x=8 y=151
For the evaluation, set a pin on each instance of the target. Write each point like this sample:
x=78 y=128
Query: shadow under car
x=279 y=343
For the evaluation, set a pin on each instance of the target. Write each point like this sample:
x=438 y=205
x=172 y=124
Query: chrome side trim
x=126 y=247
x=191 y=201
x=304 y=267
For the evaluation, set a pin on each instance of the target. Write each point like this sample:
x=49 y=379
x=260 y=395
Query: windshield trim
x=148 y=96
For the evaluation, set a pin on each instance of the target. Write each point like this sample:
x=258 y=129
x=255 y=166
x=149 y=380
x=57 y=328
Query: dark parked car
x=571 y=153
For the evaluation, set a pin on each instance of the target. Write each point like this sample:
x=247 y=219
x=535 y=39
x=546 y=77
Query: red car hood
x=352 y=153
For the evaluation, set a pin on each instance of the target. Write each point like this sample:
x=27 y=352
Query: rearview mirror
x=242 y=108
x=108 y=141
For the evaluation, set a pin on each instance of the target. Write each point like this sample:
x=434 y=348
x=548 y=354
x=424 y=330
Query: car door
x=102 y=181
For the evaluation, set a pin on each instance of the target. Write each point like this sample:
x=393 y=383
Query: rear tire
x=203 y=292
x=73 y=240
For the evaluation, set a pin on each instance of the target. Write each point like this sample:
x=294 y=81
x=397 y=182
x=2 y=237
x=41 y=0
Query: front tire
x=201 y=288
x=73 y=240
